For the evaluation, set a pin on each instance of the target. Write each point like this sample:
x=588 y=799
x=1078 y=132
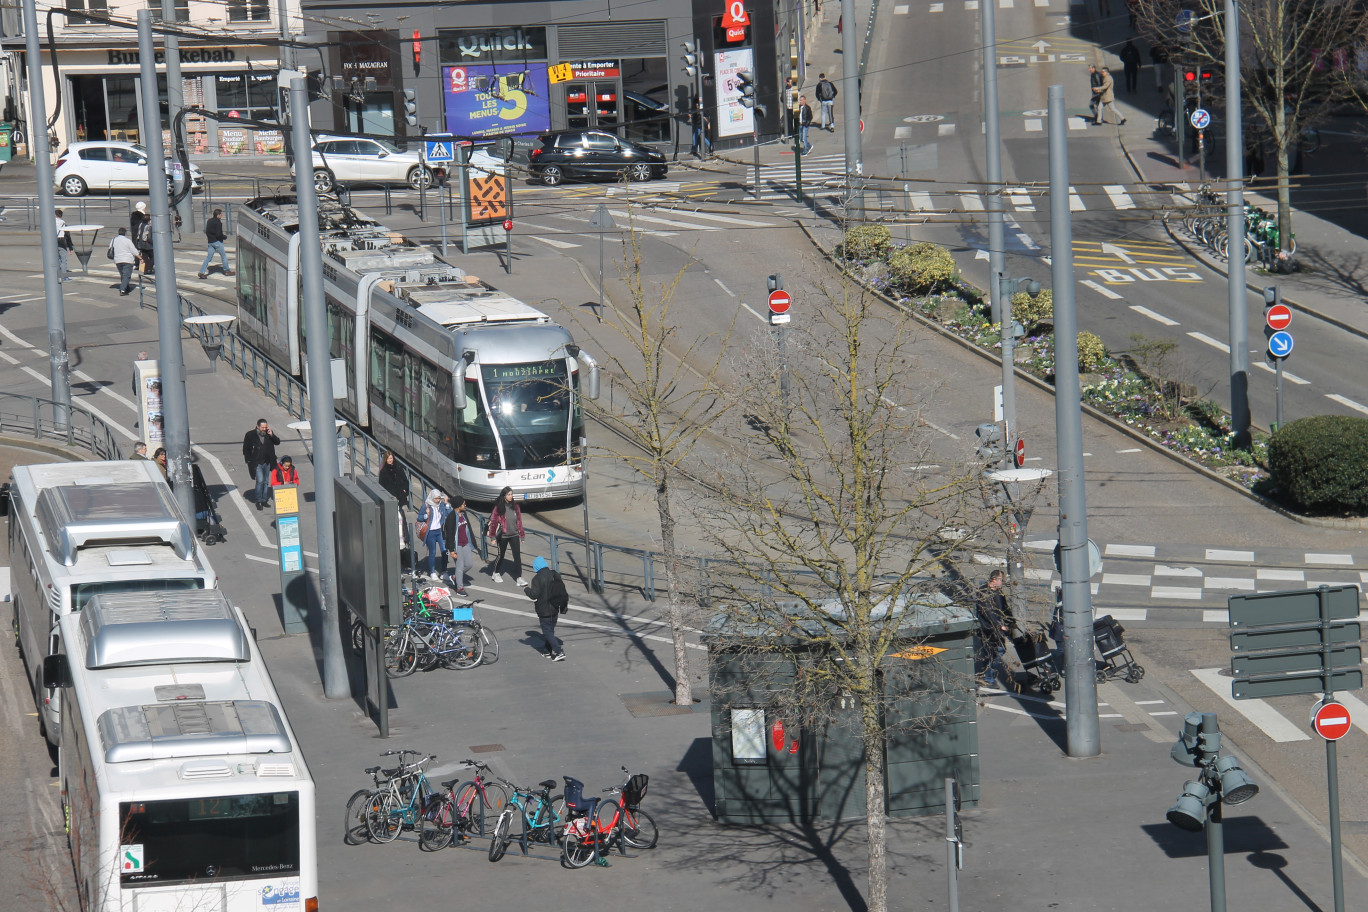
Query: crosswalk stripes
x=1258 y=712
x=1119 y=197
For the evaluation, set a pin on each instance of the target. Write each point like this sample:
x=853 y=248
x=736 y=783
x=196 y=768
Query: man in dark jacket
x=258 y=451
x=996 y=626
x=213 y=233
x=547 y=589
x=460 y=545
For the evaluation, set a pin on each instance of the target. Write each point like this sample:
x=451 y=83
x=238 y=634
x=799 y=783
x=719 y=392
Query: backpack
x=144 y=239
x=556 y=594
x=826 y=91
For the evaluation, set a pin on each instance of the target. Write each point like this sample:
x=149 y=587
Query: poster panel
x=525 y=108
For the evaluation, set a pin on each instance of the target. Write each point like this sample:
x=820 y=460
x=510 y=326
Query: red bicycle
x=460 y=813
x=595 y=826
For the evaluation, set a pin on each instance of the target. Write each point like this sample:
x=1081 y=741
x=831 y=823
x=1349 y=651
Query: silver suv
x=361 y=160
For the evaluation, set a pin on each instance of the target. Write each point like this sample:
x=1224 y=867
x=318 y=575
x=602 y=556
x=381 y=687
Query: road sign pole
x=1277 y=391
x=1215 y=834
x=1331 y=760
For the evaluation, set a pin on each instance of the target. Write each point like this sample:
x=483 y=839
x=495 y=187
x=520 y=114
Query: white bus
x=81 y=528
x=182 y=783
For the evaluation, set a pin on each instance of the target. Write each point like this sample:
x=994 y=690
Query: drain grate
x=485 y=748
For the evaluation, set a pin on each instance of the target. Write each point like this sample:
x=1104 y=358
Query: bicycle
x=355 y=830
x=461 y=813
x=541 y=816
x=398 y=805
x=587 y=835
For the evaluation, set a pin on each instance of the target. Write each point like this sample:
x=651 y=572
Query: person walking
x=699 y=120
x=430 y=519
x=1106 y=98
x=1159 y=59
x=64 y=247
x=139 y=451
x=125 y=257
x=790 y=108
x=258 y=451
x=547 y=590
x=394 y=479
x=213 y=233
x=142 y=239
x=1130 y=61
x=284 y=473
x=159 y=457
x=826 y=94
x=1094 y=85
x=460 y=543
x=506 y=527
x=996 y=625
x=804 y=123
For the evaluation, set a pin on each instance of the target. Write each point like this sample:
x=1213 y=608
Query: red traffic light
x=1189 y=76
x=508 y=224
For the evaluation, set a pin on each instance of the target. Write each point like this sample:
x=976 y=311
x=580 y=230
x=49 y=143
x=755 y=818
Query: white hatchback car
x=361 y=160
x=108 y=165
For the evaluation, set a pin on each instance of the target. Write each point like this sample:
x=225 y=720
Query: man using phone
x=258 y=451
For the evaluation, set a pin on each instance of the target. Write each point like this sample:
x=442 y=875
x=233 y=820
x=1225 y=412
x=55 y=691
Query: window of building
x=88 y=6
x=249 y=10
x=646 y=99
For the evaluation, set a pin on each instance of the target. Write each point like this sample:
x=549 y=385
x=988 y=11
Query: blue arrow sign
x=1280 y=344
x=439 y=151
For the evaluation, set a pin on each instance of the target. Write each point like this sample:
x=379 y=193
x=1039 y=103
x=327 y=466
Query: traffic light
x=417 y=51
x=989 y=447
x=411 y=107
x=690 y=57
x=745 y=84
x=775 y=282
x=1272 y=296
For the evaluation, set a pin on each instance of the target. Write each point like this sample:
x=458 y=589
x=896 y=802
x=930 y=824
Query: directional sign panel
x=1298 y=606
x=1294 y=637
x=1292 y=662
x=1280 y=344
x=1242 y=689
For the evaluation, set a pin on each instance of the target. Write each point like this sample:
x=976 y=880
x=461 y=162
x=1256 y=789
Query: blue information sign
x=439 y=150
x=1280 y=344
x=291 y=549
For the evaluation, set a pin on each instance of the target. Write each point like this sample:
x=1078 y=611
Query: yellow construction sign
x=915 y=653
x=560 y=72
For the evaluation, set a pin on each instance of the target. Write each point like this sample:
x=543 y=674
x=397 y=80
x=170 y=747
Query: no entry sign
x=1331 y=721
x=1019 y=453
x=779 y=301
x=1279 y=317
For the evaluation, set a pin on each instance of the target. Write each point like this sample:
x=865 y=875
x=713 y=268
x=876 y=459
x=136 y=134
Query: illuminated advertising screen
x=512 y=100
x=733 y=118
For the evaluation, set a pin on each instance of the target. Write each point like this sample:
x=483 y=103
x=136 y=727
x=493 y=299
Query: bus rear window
x=209 y=838
x=83 y=592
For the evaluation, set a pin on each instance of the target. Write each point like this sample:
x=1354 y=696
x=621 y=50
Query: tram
x=471 y=387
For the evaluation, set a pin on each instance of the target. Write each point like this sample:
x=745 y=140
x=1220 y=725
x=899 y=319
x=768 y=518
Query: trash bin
x=6 y=146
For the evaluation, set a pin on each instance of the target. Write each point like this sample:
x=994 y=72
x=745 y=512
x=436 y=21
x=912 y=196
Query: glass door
x=593 y=104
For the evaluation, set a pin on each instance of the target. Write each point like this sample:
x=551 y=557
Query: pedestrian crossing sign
x=440 y=151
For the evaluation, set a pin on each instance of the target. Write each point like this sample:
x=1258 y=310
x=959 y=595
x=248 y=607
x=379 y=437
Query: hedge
x=1320 y=464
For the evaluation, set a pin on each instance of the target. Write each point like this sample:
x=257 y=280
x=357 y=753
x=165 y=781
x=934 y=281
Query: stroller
x=1042 y=664
x=208 y=522
x=1117 y=660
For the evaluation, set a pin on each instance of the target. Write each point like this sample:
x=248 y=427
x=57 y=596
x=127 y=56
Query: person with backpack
x=64 y=247
x=460 y=542
x=142 y=239
x=547 y=590
x=431 y=518
x=213 y=234
x=826 y=94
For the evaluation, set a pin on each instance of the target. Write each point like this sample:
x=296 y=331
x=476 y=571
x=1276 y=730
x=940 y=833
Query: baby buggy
x=1040 y=662
x=1117 y=660
x=208 y=522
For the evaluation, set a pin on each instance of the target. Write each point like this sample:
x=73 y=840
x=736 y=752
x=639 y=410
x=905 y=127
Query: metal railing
x=40 y=419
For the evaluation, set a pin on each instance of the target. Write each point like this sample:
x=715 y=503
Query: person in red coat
x=284 y=473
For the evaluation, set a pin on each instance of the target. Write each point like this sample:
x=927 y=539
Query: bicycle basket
x=635 y=790
x=574 y=794
x=463 y=613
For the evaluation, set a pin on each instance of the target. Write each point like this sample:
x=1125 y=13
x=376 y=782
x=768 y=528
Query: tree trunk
x=875 y=741
x=1285 y=142
x=674 y=610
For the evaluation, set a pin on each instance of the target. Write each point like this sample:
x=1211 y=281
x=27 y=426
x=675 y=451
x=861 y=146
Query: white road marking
x=1020 y=197
x=1103 y=290
x=945 y=129
x=1076 y=201
x=552 y=242
x=1119 y=197
x=1220 y=554
x=756 y=312
x=1347 y=403
x=1259 y=713
x=724 y=287
x=1129 y=551
x=1344 y=560
x=903 y=132
x=724 y=219
x=1215 y=616
x=1076 y=124
x=901 y=10
x=1149 y=702
x=1229 y=582
x=1042 y=2
x=670 y=223
x=1126 y=579
x=1175 y=592
x=1189 y=572
x=1358 y=710
x=1034 y=125
x=1005 y=4
x=971 y=203
x=1287 y=374
x=1129 y=614
x=1156 y=317
x=1214 y=343
x=971 y=5
x=1131 y=450
x=921 y=200
x=1279 y=574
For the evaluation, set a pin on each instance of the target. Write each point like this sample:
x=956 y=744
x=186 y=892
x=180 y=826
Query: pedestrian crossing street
x=568 y=230
x=104 y=274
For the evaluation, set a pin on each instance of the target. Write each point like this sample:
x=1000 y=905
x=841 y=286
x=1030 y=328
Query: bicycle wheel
x=463 y=647
x=577 y=845
x=356 y=831
x=638 y=829
x=491 y=644
x=384 y=818
x=558 y=809
x=498 y=843
x=477 y=814
x=401 y=654
x=358 y=637
x=433 y=834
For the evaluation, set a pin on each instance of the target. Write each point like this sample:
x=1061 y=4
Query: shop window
x=249 y=10
x=646 y=99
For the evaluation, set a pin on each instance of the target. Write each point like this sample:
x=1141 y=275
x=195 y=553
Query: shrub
x=1032 y=313
x=1320 y=464
x=1092 y=354
x=923 y=268
x=864 y=243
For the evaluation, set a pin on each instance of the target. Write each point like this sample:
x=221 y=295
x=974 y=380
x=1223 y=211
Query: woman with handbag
x=430 y=520
x=506 y=527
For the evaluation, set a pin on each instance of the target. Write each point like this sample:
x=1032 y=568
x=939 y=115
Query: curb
x=1216 y=265
x=1091 y=411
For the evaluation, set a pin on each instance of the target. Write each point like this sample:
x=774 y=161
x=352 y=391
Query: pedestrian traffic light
x=1272 y=296
x=690 y=57
x=411 y=107
x=775 y=282
x=745 y=84
x=989 y=447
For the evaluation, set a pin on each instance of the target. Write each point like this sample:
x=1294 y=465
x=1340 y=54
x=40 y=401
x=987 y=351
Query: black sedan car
x=593 y=154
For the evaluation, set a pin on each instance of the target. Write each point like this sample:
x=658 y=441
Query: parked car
x=593 y=154
x=361 y=160
x=108 y=165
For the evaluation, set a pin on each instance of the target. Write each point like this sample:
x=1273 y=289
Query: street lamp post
x=1006 y=288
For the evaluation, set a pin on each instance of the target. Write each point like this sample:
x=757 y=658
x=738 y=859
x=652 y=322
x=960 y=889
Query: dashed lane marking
x=1263 y=716
x=1207 y=340
x=1156 y=317
x=1103 y=290
x=1119 y=197
x=1343 y=560
x=1175 y=592
x=1280 y=574
x=1130 y=551
x=1347 y=403
x=1287 y=374
x=552 y=242
x=1221 y=554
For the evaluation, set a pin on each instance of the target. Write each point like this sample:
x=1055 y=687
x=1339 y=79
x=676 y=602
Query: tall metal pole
x=1080 y=681
x=1235 y=230
x=175 y=407
x=322 y=416
x=993 y=164
x=1009 y=427
x=951 y=846
x=58 y=365
x=850 y=109
x=1331 y=760
x=175 y=93
x=1215 y=834
x=287 y=60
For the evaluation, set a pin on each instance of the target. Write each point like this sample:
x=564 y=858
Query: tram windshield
x=529 y=405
